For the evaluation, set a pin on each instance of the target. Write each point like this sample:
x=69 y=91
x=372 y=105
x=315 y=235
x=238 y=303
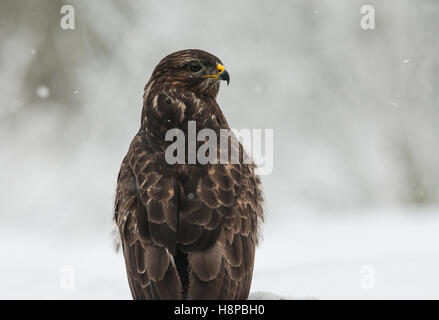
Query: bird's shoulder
x=167 y=109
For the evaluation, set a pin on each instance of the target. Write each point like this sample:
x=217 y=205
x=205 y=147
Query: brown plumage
x=188 y=231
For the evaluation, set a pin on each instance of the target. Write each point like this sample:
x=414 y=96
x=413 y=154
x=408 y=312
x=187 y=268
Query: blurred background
x=352 y=203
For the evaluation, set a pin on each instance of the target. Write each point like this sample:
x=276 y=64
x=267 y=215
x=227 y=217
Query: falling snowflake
x=43 y=92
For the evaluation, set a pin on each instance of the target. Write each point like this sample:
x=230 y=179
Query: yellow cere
x=220 y=68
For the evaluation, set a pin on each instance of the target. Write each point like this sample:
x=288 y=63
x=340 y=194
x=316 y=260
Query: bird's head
x=194 y=70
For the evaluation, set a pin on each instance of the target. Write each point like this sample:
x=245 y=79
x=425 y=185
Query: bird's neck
x=176 y=109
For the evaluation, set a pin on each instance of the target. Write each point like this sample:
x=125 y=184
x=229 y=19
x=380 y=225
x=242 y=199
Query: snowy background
x=352 y=203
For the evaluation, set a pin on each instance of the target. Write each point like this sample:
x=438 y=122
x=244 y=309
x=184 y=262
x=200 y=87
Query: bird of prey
x=188 y=230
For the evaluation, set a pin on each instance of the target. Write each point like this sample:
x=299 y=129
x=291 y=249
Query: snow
x=312 y=257
x=43 y=92
x=263 y=295
x=326 y=258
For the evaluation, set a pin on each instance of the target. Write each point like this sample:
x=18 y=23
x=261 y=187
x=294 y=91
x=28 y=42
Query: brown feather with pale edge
x=188 y=231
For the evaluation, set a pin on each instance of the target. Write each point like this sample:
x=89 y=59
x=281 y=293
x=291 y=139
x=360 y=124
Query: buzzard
x=188 y=231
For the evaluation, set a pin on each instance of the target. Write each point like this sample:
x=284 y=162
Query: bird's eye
x=194 y=67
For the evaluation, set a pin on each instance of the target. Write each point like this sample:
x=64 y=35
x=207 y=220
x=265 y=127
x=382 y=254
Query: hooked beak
x=221 y=74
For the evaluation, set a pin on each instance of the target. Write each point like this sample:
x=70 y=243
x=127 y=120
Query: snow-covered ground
x=379 y=254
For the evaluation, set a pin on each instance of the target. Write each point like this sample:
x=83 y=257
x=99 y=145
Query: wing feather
x=206 y=215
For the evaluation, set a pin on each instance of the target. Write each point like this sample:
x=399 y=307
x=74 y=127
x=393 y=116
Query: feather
x=188 y=233
x=200 y=217
x=222 y=179
x=214 y=221
x=163 y=236
x=169 y=288
x=235 y=273
x=207 y=183
x=225 y=197
x=157 y=262
x=162 y=190
x=209 y=197
x=206 y=240
x=156 y=213
x=233 y=252
x=205 y=290
x=206 y=265
x=142 y=222
x=139 y=257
